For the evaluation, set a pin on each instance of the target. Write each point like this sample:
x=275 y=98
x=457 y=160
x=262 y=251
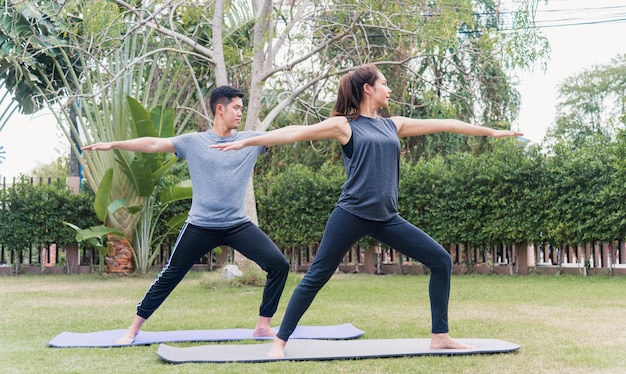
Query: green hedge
x=565 y=195
x=33 y=214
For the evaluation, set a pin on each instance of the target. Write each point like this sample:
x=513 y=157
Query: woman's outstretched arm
x=412 y=127
x=332 y=128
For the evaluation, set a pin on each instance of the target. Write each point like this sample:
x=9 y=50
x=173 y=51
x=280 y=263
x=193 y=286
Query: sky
x=30 y=140
x=582 y=33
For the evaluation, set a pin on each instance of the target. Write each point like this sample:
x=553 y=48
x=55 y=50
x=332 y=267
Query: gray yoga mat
x=310 y=350
x=103 y=339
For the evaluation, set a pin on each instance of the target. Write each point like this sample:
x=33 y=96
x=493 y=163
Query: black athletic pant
x=342 y=231
x=194 y=242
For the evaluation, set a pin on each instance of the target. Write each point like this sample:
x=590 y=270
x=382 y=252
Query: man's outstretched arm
x=145 y=144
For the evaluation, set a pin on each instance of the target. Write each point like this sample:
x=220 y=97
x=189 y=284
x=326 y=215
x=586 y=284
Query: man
x=217 y=215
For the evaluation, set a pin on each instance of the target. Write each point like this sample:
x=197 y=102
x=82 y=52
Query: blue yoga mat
x=311 y=350
x=106 y=338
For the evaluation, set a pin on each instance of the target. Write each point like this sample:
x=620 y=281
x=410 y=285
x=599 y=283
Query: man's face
x=232 y=113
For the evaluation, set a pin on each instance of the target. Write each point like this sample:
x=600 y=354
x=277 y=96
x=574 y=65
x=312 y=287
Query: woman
x=369 y=199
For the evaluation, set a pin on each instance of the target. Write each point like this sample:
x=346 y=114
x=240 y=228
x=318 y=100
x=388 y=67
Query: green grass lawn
x=564 y=324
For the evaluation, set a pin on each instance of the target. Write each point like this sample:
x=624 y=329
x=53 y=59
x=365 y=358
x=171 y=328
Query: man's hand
x=98 y=147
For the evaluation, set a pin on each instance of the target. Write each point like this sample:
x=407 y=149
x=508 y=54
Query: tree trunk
x=239 y=259
x=119 y=260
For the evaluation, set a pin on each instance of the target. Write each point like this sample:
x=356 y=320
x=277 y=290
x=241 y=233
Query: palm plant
x=144 y=171
x=85 y=71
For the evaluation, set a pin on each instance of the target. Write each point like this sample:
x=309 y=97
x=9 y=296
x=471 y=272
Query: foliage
x=447 y=58
x=294 y=205
x=174 y=213
x=578 y=178
x=96 y=62
x=516 y=191
x=514 y=195
x=613 y=195
x=591 y=104
x=33 y=68
x=57 y=169
x=97 y=236
x=511 y=195
x=442 y=59
x=145 y=172
x=33 y=214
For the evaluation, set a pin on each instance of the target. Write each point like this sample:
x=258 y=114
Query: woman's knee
x=317 y=277
x=445 y=260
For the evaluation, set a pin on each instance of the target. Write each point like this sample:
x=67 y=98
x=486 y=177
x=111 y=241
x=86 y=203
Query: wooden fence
x=588 y=259
x=74 y=259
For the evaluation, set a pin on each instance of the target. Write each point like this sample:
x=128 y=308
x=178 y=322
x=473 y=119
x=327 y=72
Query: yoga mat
x=106 y=338
x=310 y=350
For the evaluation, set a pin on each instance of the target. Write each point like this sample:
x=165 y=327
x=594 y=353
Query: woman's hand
x=504 y=133
x=233 y=146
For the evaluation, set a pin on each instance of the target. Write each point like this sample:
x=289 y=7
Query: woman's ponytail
x=350 y=91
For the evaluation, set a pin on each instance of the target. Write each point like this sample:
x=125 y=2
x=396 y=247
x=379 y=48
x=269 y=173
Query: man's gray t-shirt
x=219 y=178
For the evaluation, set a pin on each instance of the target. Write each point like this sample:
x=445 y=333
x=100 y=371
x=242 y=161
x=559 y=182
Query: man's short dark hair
x=223 y=95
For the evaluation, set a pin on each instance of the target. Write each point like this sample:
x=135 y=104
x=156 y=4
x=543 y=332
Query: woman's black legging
x=342 y=231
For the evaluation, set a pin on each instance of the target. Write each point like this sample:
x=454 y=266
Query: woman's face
x=382 y=92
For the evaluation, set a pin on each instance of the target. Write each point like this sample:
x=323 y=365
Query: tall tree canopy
x=592 y=103
x=445 y=58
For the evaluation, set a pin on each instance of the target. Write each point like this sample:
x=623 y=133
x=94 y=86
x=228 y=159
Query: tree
x=56 y=169
x=592 y=103
x=85 y=57
x=33 y=214
x=145 y=172
x=578 y=178
x=98 y=61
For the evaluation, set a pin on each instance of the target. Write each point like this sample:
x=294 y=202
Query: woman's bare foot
x=127 y=338
x=278 y=349
x=444 y=341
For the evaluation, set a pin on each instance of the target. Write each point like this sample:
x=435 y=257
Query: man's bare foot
x=263 y=329
x=127 y=338
x=444 y=341
x=132 y=331
x=278 y=349
x=264 y=332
